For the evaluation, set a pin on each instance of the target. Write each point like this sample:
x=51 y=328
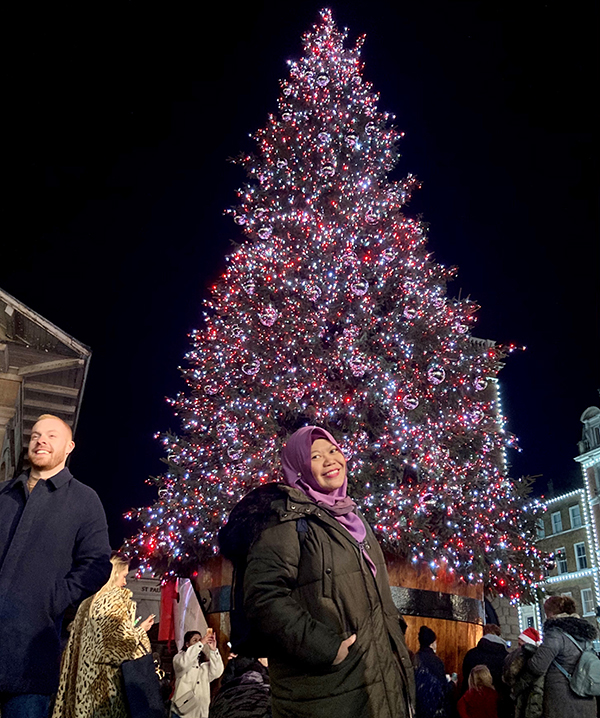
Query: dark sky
x=121 y=116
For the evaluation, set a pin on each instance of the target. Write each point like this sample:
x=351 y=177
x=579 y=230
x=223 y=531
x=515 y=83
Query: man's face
x=49 y=446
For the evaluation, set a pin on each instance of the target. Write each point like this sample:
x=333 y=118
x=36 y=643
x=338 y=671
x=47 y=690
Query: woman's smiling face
x=327 y=464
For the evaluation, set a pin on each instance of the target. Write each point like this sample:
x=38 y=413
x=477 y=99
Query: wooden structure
x=449 y=606
x=453 y=609
x=42 y=371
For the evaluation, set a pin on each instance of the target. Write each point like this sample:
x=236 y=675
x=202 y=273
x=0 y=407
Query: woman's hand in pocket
x=343 y=649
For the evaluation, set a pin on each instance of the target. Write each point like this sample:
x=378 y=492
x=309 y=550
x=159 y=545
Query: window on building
x=527 y=617
x=596 y=436
x=575 y=514
x=541 y=530
x=556 y=522
x=596 y=470
x=580 y=556
x=587 y=601
x=561 y=560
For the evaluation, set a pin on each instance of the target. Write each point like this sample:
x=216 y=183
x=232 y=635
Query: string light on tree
x=333 y=312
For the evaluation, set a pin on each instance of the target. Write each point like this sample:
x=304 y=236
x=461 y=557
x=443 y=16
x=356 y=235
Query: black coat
x=54 y=551
x=492 y=654
x=488 y=653
x=305 y=595
x=244 y=692
x=434 y=691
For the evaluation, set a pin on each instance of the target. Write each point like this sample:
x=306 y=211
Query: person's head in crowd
x=119 y=571
x=491 y=629
x=427 y=638
x=480 y=677
x=190 y=638
x=558 y=605
x=530 y=636
x=118 y=574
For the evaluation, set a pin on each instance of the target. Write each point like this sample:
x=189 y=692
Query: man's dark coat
x=490 y=653
x=54 y=551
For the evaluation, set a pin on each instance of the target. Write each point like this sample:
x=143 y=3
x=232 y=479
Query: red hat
x=530 y=635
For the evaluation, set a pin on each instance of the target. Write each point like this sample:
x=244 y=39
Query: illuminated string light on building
x=525 y=613
x=569 y=538
x=589 y=460
x=332 y=311
x=571 y=575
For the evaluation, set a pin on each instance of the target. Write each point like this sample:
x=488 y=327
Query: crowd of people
x=532 y=681
x=314 y=616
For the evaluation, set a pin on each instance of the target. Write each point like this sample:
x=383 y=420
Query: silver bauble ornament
x=251 y=368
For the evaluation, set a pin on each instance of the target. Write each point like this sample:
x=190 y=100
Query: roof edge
x=65 y=338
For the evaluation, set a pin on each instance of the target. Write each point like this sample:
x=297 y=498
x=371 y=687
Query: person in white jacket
x=196 y=665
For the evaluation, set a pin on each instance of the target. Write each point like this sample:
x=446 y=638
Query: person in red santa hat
x=528 y=696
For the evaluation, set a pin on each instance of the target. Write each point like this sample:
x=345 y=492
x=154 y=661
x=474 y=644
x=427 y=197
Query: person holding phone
x=196 y=666
x=103 y=636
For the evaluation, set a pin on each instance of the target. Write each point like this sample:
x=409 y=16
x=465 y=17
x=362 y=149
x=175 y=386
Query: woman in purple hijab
x=315 y=587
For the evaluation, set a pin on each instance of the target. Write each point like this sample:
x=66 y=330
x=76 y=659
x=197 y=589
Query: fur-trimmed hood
x=265 y=506
x=579 y=628
x=247 y=520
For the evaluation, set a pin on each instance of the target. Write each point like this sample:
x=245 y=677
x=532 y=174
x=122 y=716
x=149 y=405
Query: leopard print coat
x=103 y=635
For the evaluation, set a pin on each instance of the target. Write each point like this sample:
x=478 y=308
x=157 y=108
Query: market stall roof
x=42 y=369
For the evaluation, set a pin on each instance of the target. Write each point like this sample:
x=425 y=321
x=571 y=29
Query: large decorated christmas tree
x=332 y=312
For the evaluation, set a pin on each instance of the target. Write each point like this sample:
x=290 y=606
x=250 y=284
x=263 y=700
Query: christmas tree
x=333 y=312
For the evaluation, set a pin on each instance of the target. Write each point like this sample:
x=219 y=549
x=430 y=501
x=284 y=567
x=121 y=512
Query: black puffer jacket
x=244 y=691
x=305 y=595
x=559 y=699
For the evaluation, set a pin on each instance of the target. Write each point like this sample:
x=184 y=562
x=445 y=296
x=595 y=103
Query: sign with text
x=146 y=593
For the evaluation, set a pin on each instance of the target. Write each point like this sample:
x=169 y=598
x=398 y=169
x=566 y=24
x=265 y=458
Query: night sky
x=121 y=117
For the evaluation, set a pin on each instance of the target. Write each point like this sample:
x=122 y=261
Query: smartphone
x=209 y=631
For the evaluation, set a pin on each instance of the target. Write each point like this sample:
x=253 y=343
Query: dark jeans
x=27 y=705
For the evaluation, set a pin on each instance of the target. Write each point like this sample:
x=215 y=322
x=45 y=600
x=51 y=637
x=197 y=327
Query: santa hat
x=530 y=635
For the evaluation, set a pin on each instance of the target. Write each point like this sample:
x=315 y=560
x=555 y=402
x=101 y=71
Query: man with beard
x=54 y=551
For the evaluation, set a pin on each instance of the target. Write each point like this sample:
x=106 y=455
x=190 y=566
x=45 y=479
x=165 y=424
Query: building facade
x=42 y=371
x=570 y=529
x=566 y=530
x=589 y=460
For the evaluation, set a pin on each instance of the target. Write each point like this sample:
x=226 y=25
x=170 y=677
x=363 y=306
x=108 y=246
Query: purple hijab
x=297 y=472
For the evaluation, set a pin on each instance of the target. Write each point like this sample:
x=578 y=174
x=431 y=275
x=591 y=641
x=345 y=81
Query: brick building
x=589 y=460
x=566 y=530
x=570 y=529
